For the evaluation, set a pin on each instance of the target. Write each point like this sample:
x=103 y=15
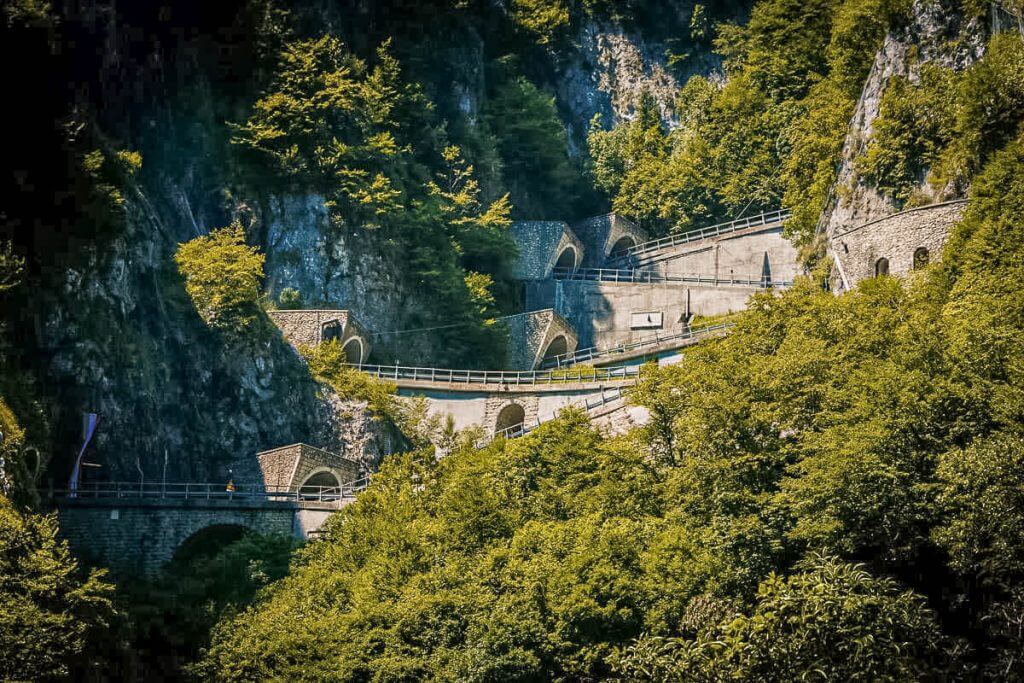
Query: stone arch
x=559 y=346
x=881 y=267
x=207 y=541
x=512 y=415
x=331 y=329
x=318 y=481
x=921 y=258
x=354 y=351
x=625 y=242
x=567 y=259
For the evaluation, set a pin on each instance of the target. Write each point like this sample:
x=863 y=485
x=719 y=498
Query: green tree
x=222 y=277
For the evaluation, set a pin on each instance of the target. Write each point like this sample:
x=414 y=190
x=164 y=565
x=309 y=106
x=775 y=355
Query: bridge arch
x=921 y=258
x=353 y=350
x=207 y=541
x=512 y=415
x=332 y=329
x=568 y=259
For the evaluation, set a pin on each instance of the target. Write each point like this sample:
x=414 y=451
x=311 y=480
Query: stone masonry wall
x=530 y=333
x=140 y=539
x=896 y=237
x=290 y=466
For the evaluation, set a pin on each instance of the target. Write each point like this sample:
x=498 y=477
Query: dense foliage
x=223 y=277
x=370 y=141
x=50 y=610
x=831 y=488
x=771 y=135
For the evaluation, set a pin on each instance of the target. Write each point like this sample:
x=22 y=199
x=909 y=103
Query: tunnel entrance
x=559 y=346
x=320 y=483
x=567 y=259
x=511 y=415
x=623 y=244
x=354 y=351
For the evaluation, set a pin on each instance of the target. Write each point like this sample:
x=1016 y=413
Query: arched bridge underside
x=139 y=536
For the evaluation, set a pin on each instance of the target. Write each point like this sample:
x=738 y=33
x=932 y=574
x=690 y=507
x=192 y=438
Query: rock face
x=937 y=34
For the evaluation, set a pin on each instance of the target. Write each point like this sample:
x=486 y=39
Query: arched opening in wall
x=206 y=543
x=623 y=244
x=320 y=484
x=511 y=415
x=881 y=267
x=559 y=346
x=921 y=258
x=567 y=259
x=330 y=330
x=354 y=350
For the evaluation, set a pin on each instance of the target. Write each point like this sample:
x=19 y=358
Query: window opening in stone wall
x=921 y=258
x=881 y=267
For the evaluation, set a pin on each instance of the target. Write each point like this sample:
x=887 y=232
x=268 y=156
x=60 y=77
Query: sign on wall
x=645 y=320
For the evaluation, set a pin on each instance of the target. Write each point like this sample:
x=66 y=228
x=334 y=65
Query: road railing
x=634 y=275
x=716 y=230
x=588 y=404
x=657 y=340
x=398 y=373
x=146 y=490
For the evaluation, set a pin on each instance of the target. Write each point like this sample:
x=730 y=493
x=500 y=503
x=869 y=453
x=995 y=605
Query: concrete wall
x=896 y=238
x=140 y=537
x=740 y=256
x=601 y=312
x=482 y=409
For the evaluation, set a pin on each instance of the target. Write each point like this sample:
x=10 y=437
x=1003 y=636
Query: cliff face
x=937 y=34
x=106 y=323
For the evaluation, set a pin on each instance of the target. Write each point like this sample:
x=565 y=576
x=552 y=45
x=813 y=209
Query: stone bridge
x=138 y=527
x=135 y=535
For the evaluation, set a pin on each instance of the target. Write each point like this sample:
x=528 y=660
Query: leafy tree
x=543 y=19
x=832 y=621
x=50 y=610
x=223 y=277
x=533 y=146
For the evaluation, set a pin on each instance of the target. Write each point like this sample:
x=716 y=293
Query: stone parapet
x=858 y=251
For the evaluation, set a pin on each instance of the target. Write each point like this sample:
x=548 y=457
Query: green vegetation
x=369 y=140
x=51 y=612
x=771 y=135
x=831 y=490
x=944 y=127
x=223 y=276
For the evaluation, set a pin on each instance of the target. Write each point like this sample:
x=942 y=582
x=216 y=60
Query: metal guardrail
x=523 y=428
x=634 y=275
x=703 y=233
x=502 y=377
x=657 y=339
x=134 y=490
